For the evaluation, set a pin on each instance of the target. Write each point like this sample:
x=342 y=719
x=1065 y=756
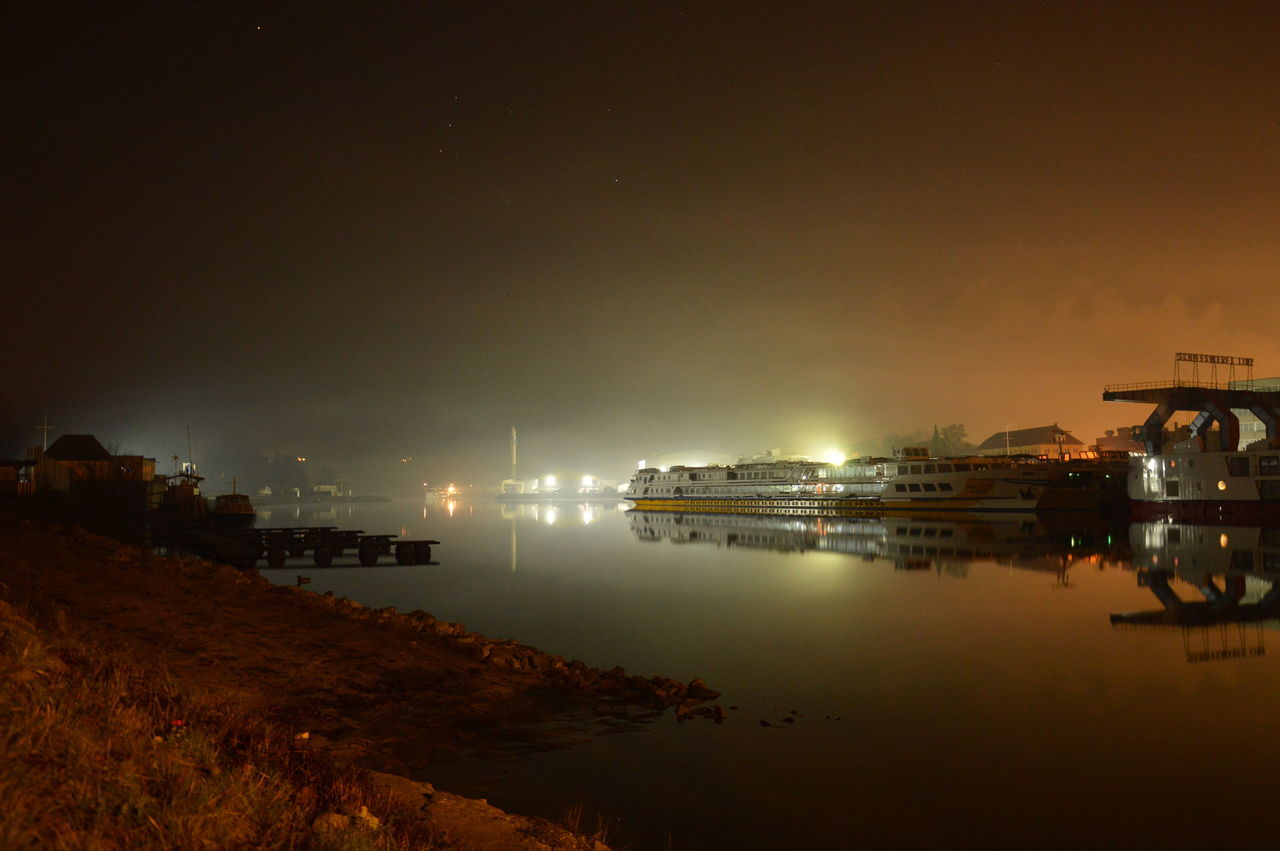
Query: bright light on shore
x=833 y=456
x=550 y=481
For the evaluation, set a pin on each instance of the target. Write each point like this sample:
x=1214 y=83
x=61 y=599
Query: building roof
x=77 y=447
x=1038 y=436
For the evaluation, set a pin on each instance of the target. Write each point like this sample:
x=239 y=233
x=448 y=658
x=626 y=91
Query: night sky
x=377 y=231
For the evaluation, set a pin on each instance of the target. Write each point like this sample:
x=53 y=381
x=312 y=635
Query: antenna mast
x=45 y=428
x=513 y=453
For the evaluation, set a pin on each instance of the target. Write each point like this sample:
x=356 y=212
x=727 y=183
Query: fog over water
x=361 y=237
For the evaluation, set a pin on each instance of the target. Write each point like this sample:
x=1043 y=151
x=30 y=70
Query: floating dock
x=244 y=548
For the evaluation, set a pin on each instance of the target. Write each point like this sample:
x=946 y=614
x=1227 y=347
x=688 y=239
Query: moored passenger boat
x=856 y=488
x=1190 y=485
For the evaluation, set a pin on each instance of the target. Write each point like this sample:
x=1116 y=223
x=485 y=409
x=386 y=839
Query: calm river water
x=927 y=683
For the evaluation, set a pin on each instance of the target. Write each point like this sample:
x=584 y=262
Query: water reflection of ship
x=946 y=544
x=1234 y=569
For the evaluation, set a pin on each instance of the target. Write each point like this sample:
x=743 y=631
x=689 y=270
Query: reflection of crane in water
x=1221 y=626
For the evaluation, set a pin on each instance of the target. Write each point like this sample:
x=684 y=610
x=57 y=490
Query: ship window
x=931 y=468
x=902 y=469
x=946 y=486
x=915 y=488
x=962 y=468
x=900 y=488
x=915 y=469
x=930 y=487
x=1238 y=465
x=1269 y=465
x=1171 y=488
x=944 y=468
x=1269 y=490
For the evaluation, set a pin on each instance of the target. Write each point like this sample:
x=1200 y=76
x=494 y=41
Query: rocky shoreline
x=690 y=700
x=388 y=691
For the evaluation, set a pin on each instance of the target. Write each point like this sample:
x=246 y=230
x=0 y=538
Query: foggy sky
x=366 y=234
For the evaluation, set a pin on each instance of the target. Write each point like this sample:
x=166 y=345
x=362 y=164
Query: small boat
x=181 y=503
x=232 y=511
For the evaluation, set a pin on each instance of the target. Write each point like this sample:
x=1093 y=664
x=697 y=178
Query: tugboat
x=181 y=504
x=232 y=510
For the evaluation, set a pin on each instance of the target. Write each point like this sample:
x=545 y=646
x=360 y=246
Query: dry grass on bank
x=97 y=751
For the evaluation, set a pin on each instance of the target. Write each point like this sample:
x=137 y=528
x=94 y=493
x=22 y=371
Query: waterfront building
x=1050 y=441
x=1119 y=440
x=1252 y=429
x=80 y=458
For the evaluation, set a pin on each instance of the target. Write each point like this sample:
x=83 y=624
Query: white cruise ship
x=863 y=488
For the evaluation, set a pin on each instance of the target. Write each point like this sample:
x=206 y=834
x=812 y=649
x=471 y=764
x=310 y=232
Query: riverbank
x=370 y=689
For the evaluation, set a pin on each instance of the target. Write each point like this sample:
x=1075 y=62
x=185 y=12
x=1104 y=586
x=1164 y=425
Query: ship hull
x=1229 y=512
x=909 y=485
x=1236 y=488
